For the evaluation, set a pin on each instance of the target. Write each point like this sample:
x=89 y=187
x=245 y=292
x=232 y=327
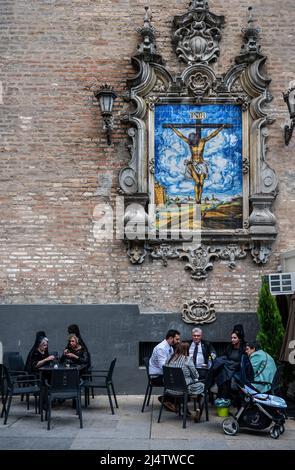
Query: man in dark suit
x=202 y=353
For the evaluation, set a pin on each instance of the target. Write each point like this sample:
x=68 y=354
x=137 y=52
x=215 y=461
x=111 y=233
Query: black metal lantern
x=289 y=98
x=106 y=97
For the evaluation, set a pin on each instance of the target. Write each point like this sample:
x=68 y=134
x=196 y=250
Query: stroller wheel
x=230 y=426
x=282 y=429
x=274 y=432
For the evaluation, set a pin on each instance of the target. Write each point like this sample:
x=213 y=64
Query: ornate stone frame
x=196 y=42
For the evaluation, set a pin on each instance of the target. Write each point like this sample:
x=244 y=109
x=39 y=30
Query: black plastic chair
x=65 y=384
x=151 y=383
x=101 y=378
x=175 y=387
x=14 y=362
x=2 y=390
x=207 y=381
x=18 y=385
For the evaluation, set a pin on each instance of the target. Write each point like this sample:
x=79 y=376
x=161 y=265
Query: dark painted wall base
x=109 y=331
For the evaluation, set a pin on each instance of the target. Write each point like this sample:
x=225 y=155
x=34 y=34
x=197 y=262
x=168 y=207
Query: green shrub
x=271 y=330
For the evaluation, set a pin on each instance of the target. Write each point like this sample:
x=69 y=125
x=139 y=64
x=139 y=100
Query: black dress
x=37 y=356
x=82 y=358
x=225 y=367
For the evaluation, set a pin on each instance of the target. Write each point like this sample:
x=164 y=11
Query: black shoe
x=169 y=406
x=197 y=416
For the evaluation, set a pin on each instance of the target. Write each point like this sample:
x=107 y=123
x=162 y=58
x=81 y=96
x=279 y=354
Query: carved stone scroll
x=164 y=252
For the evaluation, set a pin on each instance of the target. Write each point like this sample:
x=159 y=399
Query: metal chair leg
x=7 y=409
x=110 y=400
x=4 y=401
x=184 y=411
x=79 y=409
x=145 y=401
x=150 y=393
x=115 y=398
x=48 y=413
x=161 y=408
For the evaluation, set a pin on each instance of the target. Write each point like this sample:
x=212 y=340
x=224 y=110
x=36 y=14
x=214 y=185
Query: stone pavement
x=128 y=429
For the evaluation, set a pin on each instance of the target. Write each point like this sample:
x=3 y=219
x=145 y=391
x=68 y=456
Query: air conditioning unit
x=281 y=283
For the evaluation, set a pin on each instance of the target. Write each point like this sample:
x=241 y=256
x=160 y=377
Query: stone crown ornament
x=197 y=35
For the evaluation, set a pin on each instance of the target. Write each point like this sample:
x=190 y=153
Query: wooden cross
x=198 y=124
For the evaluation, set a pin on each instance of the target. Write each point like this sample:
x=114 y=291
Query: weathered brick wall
x=56 y=166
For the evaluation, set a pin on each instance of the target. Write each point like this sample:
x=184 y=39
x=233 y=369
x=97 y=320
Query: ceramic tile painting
x=198 y=161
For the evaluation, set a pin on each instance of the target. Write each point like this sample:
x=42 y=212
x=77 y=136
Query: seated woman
x=74 y=354
x=264 y=367
x=74 y=329
x=226 y=366
x=180 y=358
x=39 y=335
x=40 y=356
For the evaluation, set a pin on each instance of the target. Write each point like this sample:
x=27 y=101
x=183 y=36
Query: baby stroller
x=258 y=411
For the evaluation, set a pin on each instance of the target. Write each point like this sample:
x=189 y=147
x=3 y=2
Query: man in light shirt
x=161 y=353
x=202 y=353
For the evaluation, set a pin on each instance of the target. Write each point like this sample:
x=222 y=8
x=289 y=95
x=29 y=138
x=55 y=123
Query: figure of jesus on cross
x=196 y=166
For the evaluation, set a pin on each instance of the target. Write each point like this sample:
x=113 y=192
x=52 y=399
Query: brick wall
x=56 y=166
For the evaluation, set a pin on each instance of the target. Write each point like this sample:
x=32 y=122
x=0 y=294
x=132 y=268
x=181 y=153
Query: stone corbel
x=260 y=251
x=136 y=251
x=262 y=227
x=232 y=253
x=136 y=219
x=262 y=221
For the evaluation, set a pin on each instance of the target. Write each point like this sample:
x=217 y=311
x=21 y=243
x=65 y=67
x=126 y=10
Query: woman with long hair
x=75 y=353
x=229 y=364
x=180 y=358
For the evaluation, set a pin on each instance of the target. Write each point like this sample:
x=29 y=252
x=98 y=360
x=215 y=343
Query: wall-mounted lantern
x=289 y=98
x=106 y=97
